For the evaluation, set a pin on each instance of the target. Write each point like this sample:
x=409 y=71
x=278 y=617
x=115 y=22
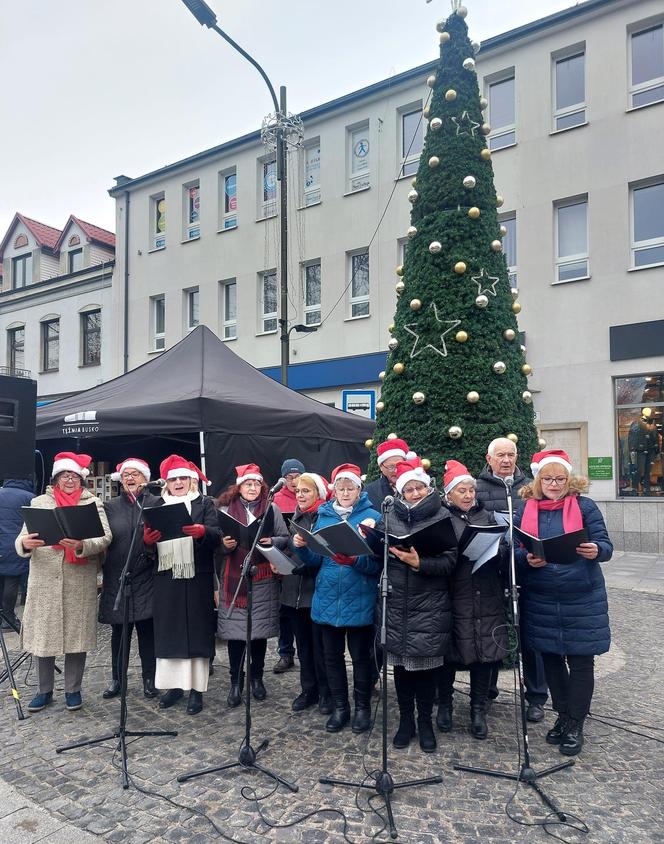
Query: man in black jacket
x=492 y=494
x=388 y=454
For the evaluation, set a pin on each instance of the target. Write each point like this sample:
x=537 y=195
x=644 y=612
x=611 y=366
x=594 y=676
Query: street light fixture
x=278 y=130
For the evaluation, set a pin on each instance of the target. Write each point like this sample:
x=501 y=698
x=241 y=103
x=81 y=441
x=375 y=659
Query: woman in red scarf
x=565 y=609
x=61 y=608
x=246 y=501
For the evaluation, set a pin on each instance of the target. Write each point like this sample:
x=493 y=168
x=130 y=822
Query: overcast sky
x=92 y=89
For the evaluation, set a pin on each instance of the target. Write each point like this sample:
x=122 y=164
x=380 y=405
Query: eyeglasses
x=69 y=476
x=251 y=483
x=559 y=480
x=128 y=475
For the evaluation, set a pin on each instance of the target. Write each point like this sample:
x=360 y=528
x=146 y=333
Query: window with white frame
x=358 y=267
x=16 y=348
x=228 y=199
x=402 y=243
x=158 y=221
x=267 y=200
x=268 y=301
x=229 y=309
x=647 y=66
x=158 y=322
x=411 y=132
x=191 y=199
x=509 y=246
x=502 y=111
x=311 y=172
x=22 y=270
x=311 y=292
x=75 y=260
x=569 y=81
x=358 y=157
x=648 y=224
x=191 y=308
x=91 y=338
x=50 y=345
x=572 y=239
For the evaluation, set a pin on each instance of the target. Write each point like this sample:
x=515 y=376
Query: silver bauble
x=381 y=375
x=400 y=287
x=496 y=246
x=392 y=437
x=462 y=11
x=434 y=161
x=527 y=396
x=485 y=129
x=380 y=406
x=473 y=397
x=431 y=80
x=509 y=334
x=476 y=47
x=483 y=103
x=412 y=195
x=412 y=231
x=469 y=182
x=541 y=442
x=435 y=247
x=499 y=367
x=515 y=293
x=435 y=124
x=393 y=343
x=469 y=64
x=415 y=304
x=444 y=37
x=503 y=230
x=419 y=398
x=455 y=432
x=482 y=301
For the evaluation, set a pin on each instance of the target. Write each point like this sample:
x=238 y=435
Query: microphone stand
x=247 y=755
x=9 y=668
x=383 y=783
x=527 y=774
x=123 y=596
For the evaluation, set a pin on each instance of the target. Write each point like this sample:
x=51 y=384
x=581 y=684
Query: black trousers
x=571 y=680
x=334 y=646
x=480 y=678
x=415 y=686
x=9 y=584
x=236 y=658
x=309 y=640
x=534 y=678
x=286 y=631
x=145 y=636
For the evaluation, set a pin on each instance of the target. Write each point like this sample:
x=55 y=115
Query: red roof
x=45 y=235
x=93 y=232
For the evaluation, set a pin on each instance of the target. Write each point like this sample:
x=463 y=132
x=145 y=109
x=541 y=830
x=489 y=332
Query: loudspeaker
x=18 y=418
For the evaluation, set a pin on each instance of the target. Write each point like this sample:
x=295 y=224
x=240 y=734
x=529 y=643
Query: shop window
x=639 y=404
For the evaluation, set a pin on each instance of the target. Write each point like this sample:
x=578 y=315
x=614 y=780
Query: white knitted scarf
x=177 y=555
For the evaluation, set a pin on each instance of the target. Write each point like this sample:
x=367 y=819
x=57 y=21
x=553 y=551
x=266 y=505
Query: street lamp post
x=277 y=132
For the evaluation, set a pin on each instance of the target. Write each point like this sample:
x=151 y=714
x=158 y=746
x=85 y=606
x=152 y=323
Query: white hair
x=493 y=445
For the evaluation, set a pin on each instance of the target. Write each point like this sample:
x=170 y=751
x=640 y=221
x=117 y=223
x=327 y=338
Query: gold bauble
x=462 y=11
x=419 y=398
x=450 y=95
x=381 y=375
x=431 y=80
x=455 y=432
x=368 y=443
x=413 y=181
x=516 y=307
x=426 y=464
x=400 y=287
x=412 y=231
x=527 y=396
x=499 y=367
x=399 y=368
x=496 y=246
x=444 y=37
x=390 y=328
x=380 y=406
x=485 y=155
x=434 y=161
x=499 y=201
x=526 y=369
x=474 y=212
x=473 y=397
x=509 y=334
x=461 y=336
x=460 y=268
x=513 y=437
x=435 y=124
x=415 y=304
x=399 y=270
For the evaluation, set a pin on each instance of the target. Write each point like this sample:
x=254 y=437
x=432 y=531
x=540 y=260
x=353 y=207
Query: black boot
x=427 y=735
x=571 y=741
x=405 y=689
x=148 y=688
x=195 y=703
x=235 y=694
x=113 y=689
x=406 y=731
x=258 y=689
x=169 y=698
x=444 y=717
x=325 y=704
x=555 y=734
x=340 y=714
x=478 y=727
x=304 y=700
x=425 y=686
x=362 y=713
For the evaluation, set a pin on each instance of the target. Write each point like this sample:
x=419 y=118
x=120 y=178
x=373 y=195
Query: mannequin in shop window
x=643 y=448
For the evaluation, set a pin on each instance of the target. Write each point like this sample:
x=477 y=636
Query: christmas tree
x=456 y=374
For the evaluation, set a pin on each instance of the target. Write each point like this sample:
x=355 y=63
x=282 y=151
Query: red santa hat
x=175 y=466
x=411 y=470
x=199 y=474
x=552 y=455
x=67 y=461
x=393 y=448
x=248 y=472
x=321 y=483
x=131 y=463
x=349 y=471
x=455 y=473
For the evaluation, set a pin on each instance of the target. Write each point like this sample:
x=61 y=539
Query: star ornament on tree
x=430 y=325
x=485 y=283
x=465 y=125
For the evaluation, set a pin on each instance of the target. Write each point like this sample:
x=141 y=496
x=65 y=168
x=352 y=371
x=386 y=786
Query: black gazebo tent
x=202 y=400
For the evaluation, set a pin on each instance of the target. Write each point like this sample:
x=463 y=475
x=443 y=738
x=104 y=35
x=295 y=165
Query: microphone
x=279 y=485
x=509 y=481
x=158 y=484
x=388 y=501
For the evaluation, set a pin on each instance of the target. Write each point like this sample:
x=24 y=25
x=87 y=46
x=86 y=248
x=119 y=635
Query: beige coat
x=61 y=607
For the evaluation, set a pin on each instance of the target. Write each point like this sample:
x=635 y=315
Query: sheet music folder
x=52 y=525
x=429 y=541
x=244 y=535
x=168 y=519
x=556 y=549
x=340 y=538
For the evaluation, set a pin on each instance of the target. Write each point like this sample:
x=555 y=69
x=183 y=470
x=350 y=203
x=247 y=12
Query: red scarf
x=314 y=507
x=68 y=499
x=233 y=570
x=572 y=518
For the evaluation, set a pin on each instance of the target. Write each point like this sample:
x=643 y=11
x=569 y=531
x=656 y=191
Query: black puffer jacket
x=378 y=490
x=298 y=590
x=122 y=515
x=492 y=492
x=419 y=609
x=480 y=634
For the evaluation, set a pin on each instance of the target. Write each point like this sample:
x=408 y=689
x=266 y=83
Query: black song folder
x=556 y=549
x=430 y=541
x=340 y=538
x=77 y=522
x=168 y=519
x=245 y=534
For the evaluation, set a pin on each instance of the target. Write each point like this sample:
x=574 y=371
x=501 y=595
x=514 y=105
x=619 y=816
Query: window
x=192 y=210
x=502 y=113
x=358 y=157
x=75 y=260
x=191 y=304
x=22 y=270
x=570 y=91
x=639 y=404
x=647 y=66
x=158 y=322
x=16 y=348
x=91 y=338
x=509 y=246
x=268 y=301
x=412 y=139
x=359 y=284
x=228 y=193
x=648 y=225
x=311 y=175
x=311 y=292
x=268 y=189
x=572 y=240
x=229 y=309
x=50 y=335
x=158 y=221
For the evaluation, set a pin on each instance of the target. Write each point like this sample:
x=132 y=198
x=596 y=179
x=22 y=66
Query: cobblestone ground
x=615 y=787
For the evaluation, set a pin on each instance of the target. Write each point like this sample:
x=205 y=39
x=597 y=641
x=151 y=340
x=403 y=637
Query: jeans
x=571 y=680
x=236 y=655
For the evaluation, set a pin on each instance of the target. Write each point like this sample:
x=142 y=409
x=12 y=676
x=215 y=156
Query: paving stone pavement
x=616 y=786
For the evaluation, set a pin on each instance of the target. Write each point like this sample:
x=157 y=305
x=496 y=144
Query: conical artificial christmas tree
x=456 y=374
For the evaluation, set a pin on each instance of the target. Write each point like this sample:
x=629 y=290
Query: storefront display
x=639 y=420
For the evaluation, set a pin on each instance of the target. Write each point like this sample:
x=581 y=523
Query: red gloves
x=343 y=560
x=195 y=531
x=151 y=537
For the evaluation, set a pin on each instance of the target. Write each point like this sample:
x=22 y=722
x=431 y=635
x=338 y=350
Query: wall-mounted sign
x=359 y=402
x=600 y=468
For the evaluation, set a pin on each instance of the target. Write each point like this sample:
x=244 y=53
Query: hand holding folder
x=78 y=522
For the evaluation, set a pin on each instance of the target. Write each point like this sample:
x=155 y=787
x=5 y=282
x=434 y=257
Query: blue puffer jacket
x=565 y=608
x=13 y=496
x=345 y=596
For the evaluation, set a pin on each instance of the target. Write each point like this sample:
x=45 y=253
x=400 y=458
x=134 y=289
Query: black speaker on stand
x=18 y=419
